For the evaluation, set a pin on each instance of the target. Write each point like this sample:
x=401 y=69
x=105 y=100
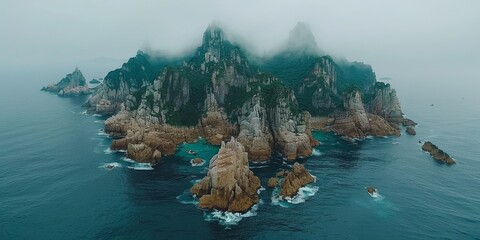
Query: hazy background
x=431 y=45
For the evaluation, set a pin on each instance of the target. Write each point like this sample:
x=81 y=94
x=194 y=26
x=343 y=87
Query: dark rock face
x=437 y=153
x=295 y=179
x=229 y=184
x=73 y=84
x=411 y=131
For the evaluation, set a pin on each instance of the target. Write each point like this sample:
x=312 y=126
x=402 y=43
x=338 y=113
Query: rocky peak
x=73 y=84
x=213 y=35
x=302 y=40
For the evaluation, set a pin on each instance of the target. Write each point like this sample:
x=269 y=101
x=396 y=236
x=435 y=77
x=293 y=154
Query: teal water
x=53 y=184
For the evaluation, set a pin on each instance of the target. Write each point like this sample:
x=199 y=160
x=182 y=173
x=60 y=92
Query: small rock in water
x=437 y=153
x=411 y=131
x=272 y=182
x=371 y=190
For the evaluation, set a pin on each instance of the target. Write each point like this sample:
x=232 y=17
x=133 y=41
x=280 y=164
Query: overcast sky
x=396 y=37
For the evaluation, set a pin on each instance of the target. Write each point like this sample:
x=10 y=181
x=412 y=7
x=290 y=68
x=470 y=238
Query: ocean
x=54 y=184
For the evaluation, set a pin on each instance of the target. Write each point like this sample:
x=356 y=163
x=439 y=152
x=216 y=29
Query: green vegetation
x=355 y=74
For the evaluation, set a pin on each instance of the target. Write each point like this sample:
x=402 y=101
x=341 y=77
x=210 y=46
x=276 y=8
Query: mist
x=428 y=44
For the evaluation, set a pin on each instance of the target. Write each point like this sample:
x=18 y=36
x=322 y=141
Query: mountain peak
x=301 y=39
x=213 y=34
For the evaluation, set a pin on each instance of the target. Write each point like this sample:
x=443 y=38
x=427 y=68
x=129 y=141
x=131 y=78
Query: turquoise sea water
x=53 y=183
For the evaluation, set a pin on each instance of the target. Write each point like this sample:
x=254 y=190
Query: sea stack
x=229 y=185
x=73 y=84
x=295 y=179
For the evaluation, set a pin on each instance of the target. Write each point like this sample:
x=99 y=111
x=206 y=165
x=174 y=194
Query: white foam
x=395 y=143
x=142 y=167
x=95 y=115
x=108 y=151
x=228 y=218
x=303 y=194
x=102 y=133
x=99 y=121
x=316 y=152
x=260 y=189
x=128 y=160
x=84 y=113
x=110 y=166
x=197 y=164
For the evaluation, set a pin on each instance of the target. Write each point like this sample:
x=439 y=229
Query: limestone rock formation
x=437 y=153
x=255 y=135
x=385 y=103
x=73 y=84
x=229 y=185
x=298 y=177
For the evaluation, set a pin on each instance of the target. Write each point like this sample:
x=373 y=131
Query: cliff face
x=229 y=185
x=385 y=103
x=355 y=122
x=73 y=84
x=217 y=93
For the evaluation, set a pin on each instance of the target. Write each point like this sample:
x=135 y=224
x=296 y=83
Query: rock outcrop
x=272 y=182
x=437 y=153
x=298 y=177
x=73 y=84
x=143 y=153
x=355 y=122
x=229 y=185
x=385 y=103
x=410 y=131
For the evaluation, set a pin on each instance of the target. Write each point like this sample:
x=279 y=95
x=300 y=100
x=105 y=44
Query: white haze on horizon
x=419 y=44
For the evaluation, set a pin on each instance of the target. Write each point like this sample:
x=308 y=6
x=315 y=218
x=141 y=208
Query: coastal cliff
x=269 y=105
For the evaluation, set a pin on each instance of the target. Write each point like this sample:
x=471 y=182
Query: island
x=73 y=84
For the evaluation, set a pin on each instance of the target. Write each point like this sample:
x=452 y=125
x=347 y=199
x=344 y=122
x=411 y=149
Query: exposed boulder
x=142 y=153
x=272 y=182
x=437 y=153
x=73 y=84
x=411 y=131
x=197 y=161
x=297 y=178
x=229 y=185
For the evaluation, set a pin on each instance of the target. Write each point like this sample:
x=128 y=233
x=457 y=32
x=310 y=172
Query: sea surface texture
x=54 y=183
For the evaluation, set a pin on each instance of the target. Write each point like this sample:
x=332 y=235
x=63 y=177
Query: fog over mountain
x=409 y=41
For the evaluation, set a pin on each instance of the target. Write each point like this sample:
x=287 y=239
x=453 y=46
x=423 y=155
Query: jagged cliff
x=218 y=93
x=73 y=84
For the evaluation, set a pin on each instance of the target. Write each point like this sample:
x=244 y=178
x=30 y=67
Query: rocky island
x=269 y=104
x=73 y=84
x=437 y=153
